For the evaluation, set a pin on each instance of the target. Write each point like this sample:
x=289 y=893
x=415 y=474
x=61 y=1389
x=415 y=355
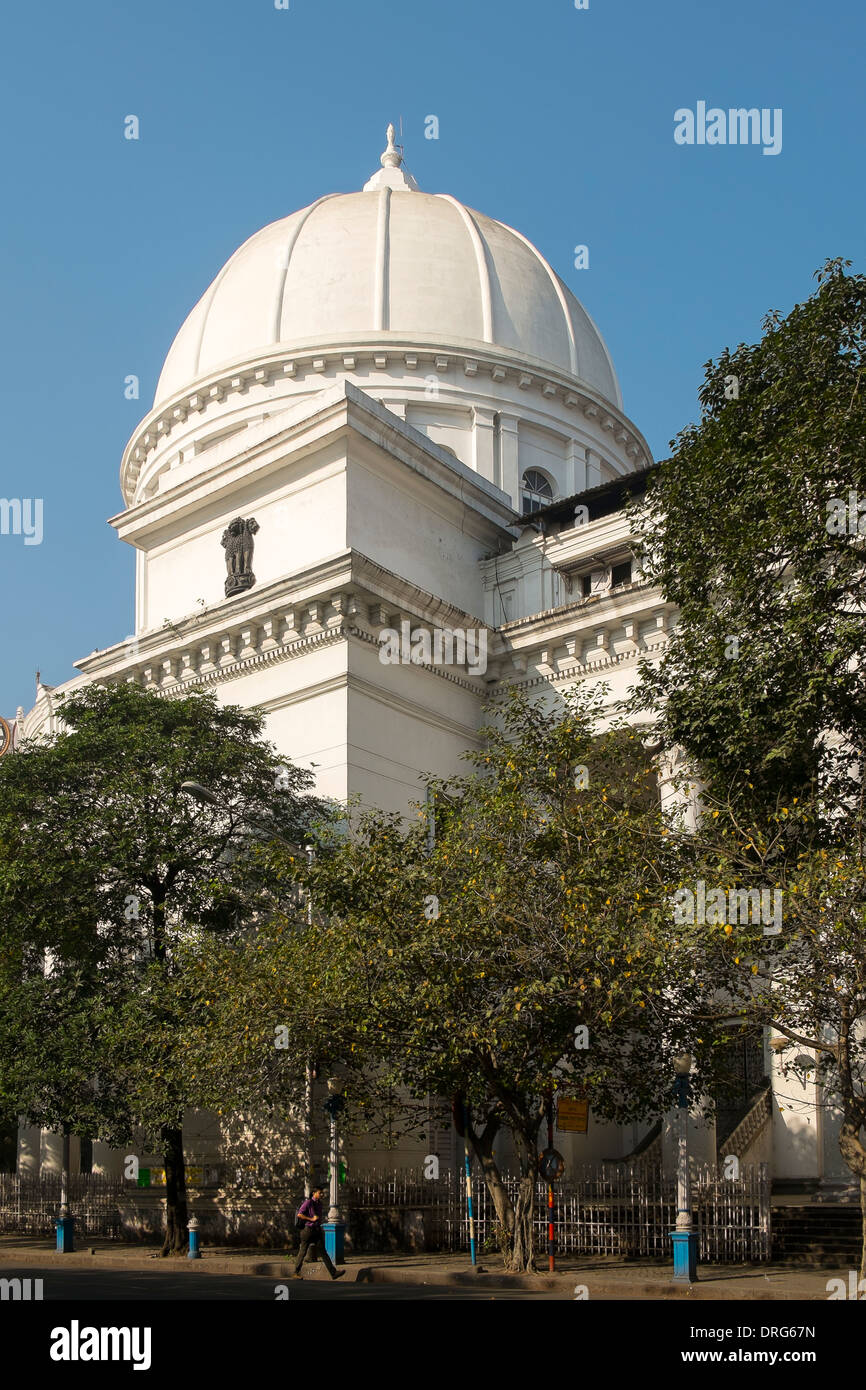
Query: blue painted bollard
x=335 y=1237
x=194 y=1253
x=685 y=1256
x=65 y=1226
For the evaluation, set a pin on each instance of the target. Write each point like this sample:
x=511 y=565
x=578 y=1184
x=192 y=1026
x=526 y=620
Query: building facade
x=387 y=416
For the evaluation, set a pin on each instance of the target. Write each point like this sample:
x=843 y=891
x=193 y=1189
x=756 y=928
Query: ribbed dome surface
x=387 y=263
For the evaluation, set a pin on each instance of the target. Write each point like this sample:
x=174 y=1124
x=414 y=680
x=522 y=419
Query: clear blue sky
x=557 y=121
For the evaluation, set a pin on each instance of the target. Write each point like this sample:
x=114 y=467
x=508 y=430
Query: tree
x=804 y=975
x=107 y=866
x=755 y=528
x=525 y=951
x=743 y=529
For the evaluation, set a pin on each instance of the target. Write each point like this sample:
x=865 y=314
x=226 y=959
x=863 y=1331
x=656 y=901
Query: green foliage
x=463 y=967
x=109 y=872
x=734 y=530
x=808 y=983
x=749 y=529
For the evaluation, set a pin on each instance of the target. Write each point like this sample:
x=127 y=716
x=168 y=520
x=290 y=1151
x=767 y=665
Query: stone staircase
x=825 y=1233
x=737 y=1130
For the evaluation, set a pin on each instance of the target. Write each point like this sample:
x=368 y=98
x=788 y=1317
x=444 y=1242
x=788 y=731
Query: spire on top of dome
x=392 y=157
x=392 y=174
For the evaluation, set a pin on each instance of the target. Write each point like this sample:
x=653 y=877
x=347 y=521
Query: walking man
x=309 y=1223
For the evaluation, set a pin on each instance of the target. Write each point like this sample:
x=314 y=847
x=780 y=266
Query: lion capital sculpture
x=237 y=539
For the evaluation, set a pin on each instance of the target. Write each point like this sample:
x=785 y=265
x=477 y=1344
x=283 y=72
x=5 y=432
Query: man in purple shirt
x=309 y=1223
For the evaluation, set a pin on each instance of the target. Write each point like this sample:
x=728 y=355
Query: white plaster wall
x=796 y=1143
x=542 y=449
x=183 y=445
x=29 y=1151
x=451 y=428
x=301 y=512
x=700 y=1139
x=403 y=721
x=602 y=1141
x=416 y=531
x=306 y=712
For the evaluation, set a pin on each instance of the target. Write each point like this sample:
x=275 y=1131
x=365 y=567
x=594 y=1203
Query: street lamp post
x=65 y=1223
x=335 y=1227
x=685 y=1237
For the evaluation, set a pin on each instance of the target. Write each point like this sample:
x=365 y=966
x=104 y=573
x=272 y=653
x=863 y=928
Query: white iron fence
x=600 y=1209
x=626 y=1210
x=29 y=1205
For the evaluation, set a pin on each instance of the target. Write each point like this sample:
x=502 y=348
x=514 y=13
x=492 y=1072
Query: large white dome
x=388 y=263
x=452 y=321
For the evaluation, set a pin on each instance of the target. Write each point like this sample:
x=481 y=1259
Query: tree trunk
x=854 y=1154
x=501 y=1203
x=515 y=1219
x=175 y=1242
x=523 y=1250
x=483 y=1145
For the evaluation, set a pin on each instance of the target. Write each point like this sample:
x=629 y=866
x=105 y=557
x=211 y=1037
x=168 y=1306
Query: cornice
x=573 y=670
x=591 y=607
x=307 y=425
x=315 y=360
x=348 y=596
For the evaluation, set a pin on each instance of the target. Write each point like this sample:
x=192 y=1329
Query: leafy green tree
x=108 y=865
x=802 y=974
x=741 y=530
x=756 y=528
x=476 y=963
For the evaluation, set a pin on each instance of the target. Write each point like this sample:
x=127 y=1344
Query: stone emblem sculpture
x=238 y=542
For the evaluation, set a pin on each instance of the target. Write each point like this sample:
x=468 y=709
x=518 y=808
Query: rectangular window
x=621 y=574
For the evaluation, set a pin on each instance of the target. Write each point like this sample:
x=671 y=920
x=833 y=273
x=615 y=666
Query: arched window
x=536 y=491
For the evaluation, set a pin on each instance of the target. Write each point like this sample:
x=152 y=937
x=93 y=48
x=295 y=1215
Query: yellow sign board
x=572 y=1116
x=155 y=1177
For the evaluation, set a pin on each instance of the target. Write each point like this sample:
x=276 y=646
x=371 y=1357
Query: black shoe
x=338 y=1274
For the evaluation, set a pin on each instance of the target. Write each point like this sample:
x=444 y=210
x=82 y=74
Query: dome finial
x=392 y=158
x=392 y=173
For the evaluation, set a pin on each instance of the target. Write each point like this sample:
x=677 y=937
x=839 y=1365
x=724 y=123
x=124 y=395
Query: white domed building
x=384 y=382
x=418 y=429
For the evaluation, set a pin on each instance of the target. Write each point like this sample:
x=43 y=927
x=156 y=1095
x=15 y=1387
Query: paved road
x=141 y=1285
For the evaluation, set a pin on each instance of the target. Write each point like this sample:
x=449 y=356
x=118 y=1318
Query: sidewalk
x=602 y=1277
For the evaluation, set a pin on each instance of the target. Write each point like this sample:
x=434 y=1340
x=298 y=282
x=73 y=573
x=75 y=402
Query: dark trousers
x=314 y=1235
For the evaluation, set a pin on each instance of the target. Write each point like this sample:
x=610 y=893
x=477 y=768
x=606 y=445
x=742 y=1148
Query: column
x=593 y=469
x=575 y=468
x=509 y=458
x=482 y=442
